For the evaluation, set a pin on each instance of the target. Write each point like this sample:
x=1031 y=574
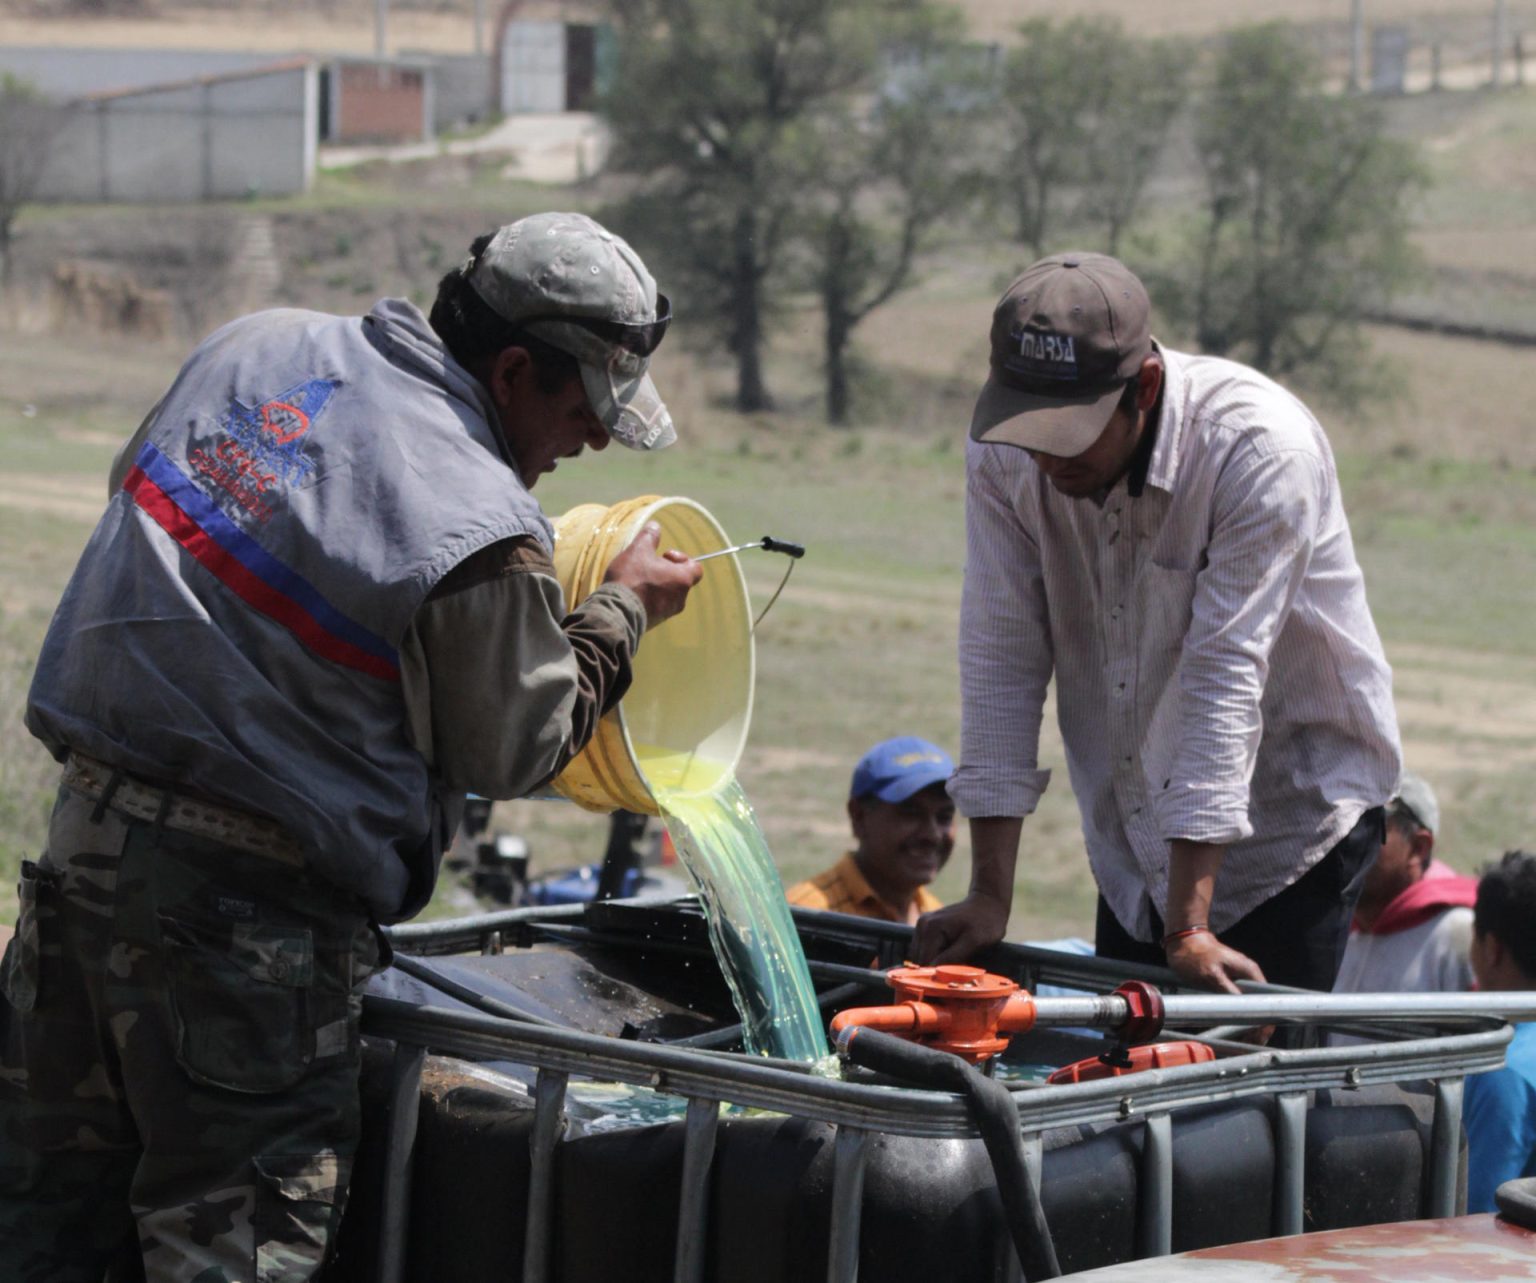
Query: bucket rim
x=639 y=520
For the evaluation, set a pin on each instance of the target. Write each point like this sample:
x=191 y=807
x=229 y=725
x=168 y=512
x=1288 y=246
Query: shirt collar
x=857 y=885
x=1162 y=464
x=853 y=879
x=1141 y=459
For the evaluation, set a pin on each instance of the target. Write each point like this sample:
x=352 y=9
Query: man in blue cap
x=903 y=829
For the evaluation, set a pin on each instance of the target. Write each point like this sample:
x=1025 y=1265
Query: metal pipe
x=767 y=543
x=699 y=1130
x=399 y=1145
x=459 y=935
x=548 y=1121
x=471 y=997
x=725 y=552
x=1290 y=1162
x=792 y=1087
x=1156 y=1219
x=1106 y=1011
x=1034 y=1166
x=848 y=1163
x=1445 y=1148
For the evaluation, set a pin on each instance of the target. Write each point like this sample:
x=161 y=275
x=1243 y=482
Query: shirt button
x=1115 y=613
x=1120 y=688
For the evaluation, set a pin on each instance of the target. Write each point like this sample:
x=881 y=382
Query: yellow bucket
x=686 y=713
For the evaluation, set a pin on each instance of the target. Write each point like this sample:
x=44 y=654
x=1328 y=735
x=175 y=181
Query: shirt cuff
x=616 y=604
x=1202 y=813
x=980 y=793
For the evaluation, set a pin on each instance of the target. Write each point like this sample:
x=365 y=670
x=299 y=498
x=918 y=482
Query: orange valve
x=1157 y=1055
x=962 y=1010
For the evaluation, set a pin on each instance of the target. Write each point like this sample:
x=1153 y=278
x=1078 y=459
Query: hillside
x=448 y=26
x=1440 y=478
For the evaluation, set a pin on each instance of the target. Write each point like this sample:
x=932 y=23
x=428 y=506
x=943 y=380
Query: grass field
x=861 y=644
x=1440 y=484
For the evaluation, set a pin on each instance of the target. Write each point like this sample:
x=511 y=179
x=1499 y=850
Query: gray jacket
x=235 y=623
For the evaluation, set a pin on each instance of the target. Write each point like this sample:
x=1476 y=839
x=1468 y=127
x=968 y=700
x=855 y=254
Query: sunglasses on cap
x=640 y=338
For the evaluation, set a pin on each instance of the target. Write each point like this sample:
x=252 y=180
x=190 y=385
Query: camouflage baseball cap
x=568 y=280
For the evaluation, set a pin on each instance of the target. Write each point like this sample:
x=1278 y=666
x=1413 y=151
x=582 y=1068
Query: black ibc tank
x=930 y=1208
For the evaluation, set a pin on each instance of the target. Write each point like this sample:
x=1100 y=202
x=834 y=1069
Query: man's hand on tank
x=960 y=931
x=1203 y=960
x=660 y=579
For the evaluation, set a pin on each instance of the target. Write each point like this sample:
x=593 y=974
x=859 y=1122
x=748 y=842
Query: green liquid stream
x=717 y=836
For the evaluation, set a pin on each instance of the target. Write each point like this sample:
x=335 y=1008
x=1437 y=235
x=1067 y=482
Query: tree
x=1141 y=87
x=1306 y=214
x=1084 y=110
x=710 y=104
x=887 y=177
x=1047 y=93
x=28 y=123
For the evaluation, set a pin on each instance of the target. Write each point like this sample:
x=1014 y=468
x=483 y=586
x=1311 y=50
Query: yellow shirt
x=844 y=889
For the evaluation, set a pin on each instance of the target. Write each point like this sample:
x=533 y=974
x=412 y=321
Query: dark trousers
x=1298 y=935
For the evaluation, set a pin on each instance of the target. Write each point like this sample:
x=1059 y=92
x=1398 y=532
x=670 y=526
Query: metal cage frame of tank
x=1444 y=1049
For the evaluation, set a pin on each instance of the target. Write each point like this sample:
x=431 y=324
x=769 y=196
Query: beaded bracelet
x=1199 y=928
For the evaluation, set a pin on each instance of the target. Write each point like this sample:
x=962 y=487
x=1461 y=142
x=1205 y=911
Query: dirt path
x=71 y=497
x=1464 y=712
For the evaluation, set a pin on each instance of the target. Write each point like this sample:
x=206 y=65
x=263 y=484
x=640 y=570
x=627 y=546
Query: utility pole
x=479 y=26
x=1500 y=38
x=1356 y=45
x=380 y=28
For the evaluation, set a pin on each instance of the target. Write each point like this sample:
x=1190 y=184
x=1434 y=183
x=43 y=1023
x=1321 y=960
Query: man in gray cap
x=319 y=609
x=1164 y=535
x=1412 y=931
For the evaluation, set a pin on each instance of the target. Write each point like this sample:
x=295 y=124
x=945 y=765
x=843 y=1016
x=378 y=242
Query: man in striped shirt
x=1164 y=535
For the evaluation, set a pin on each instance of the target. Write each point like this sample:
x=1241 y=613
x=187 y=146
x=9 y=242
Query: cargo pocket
x=240 y=995
x=21 y=976
x=299 y=1198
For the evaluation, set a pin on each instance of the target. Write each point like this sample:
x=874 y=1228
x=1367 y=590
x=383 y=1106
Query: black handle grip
x=770 y=544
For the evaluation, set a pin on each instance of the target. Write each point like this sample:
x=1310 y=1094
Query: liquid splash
x=721 y=845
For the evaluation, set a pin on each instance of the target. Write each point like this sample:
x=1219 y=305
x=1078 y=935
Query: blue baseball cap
x=896 y=769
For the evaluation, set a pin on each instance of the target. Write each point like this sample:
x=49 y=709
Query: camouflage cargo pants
x=178 y=1058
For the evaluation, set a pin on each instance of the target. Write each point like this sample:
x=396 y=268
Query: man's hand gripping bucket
x=683 y=722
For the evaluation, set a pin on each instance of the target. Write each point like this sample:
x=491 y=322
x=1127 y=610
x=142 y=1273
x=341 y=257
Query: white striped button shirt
x=1219 y=677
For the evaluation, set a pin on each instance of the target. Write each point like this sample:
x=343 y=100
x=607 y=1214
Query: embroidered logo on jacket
x=264 y=582
x=263 y=449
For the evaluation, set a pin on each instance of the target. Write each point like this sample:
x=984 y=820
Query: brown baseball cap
x=1067 y=336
